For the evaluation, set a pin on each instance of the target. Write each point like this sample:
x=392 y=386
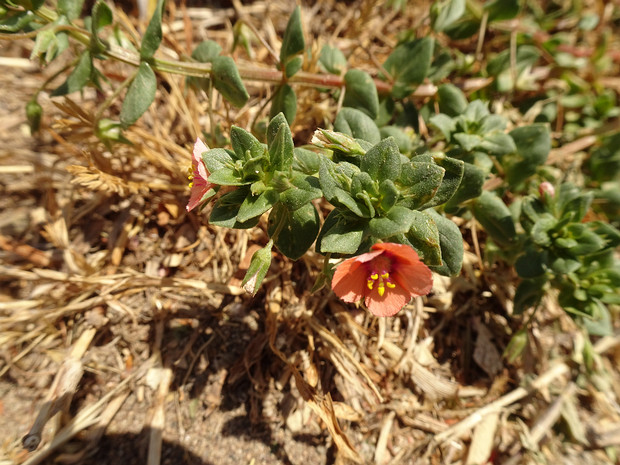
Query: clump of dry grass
x=111 y=292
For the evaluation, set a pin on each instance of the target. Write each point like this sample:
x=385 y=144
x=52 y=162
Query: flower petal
x=200 y=170
x=388 y=305
x=349 y=281
x=400 y=252
x=416 y=279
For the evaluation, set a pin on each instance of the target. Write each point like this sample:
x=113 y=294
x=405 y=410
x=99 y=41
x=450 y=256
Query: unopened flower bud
x=546 y=188
x=337 y=141
x=34 y=111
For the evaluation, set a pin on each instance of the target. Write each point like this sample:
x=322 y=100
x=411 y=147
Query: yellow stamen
x=381 y=289
x=370 y=283
x=390 y=284
x=374 y=276
x=191 y=184
x=382 y=279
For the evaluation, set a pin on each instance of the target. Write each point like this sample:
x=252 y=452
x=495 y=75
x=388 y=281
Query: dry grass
x=115 y=300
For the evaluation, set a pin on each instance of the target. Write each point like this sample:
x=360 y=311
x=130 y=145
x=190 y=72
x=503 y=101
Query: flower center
x=381 y=280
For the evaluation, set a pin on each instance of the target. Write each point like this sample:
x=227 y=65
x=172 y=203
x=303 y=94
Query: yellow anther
x=370 y=283
x=385 y=275
x=390 y=285
x=374 y=276
x=381 y=289
x=191 y=184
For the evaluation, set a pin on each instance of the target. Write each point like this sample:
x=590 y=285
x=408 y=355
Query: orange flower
x=198 y=175
x=386 y=278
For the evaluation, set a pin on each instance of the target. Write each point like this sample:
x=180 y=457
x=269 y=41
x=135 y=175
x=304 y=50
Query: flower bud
x=34 y=111
x=337 y=141
x=546 y=188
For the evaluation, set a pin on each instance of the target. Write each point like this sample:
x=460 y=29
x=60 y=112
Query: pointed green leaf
x=357 y=124
x=452 y=100
x=382 y=161
x=453 y=175
x=409 y=64
x=333 y=60
x=419 y=183
x=361 y=92
x=451 y=244
x=79 y=77
x=304 y=189
x=397 y=221
x=227 y=81
x=70 y=8
x=533 y=144
x=226 y=208
x=284 y=101
x=496 y=219
x=340 y=234
x=424 y=238
x=153 y=34
x=296 y=230
x=255 y=205
x=280 y=143
x=140 y=95
x=206 y=51
x=293 y=42
x=244 y=144
x=469 y=188
x=501 y=10
x=445 y=13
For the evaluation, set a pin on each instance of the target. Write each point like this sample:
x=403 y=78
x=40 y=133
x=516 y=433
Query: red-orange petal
x=390 y=304
x=416 y=279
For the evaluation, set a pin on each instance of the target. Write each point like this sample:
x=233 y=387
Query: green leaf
x=306 y=161
x=340 y=234
x=451 y=99
x=101 y=17
x=533 y=144
x=227 y=81
x=453 y=174
x=284 y=101
x=397 y=221
x=216 y=159
x=494 y=216
x=280 y=143
x=402 y=139
x=497 y=143
x=528 y=294
x=226 y=208
x=140 y=95
x=333 y=179
x=469 y=188
x=206 y=51
x=501 y=10
x=451 y=244
x=409 y=64
x=70 y=8
x=79 y=77
x=293 y=65
x=532 y=264
x=445 y=13
x=445 y=124
x=293 y=42
x=50 y=43
x=296 y=229
x=245 y=145
x=227 y=177
x=361 y=92
x=419 y=182
x=153 y=34
x=333 y=60
x=516 y=346
x=382 y=161
x=304 y=189
x=357 y=124
x=423 y=235
x=259 y=265
x=255 y=205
